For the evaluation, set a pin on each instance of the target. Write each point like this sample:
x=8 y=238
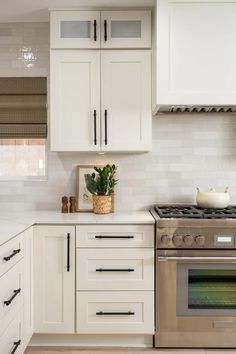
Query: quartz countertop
x=13 y=223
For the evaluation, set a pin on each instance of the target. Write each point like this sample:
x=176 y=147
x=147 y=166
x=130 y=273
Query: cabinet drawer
x=12 y=337
x=115 y=269
x=10 y=253
x=115 y=312
x=11 y=294
x=115 y=236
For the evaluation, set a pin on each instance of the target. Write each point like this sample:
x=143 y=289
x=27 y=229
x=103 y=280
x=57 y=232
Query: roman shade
x=23 y=107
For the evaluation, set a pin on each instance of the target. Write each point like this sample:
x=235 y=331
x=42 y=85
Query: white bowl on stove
x=213 y=199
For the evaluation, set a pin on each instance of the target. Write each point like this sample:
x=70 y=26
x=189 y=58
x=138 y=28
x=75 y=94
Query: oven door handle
x=196 y=259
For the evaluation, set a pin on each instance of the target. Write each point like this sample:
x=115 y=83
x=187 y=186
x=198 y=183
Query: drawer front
x=10 y=253
x=115 y=269
x=12 y=337
x=115 y=312
x=11 y=294
x=115 y=236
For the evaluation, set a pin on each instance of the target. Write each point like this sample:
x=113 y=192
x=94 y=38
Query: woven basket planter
x=102 y=204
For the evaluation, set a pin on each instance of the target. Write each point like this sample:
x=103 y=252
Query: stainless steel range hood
x=194 y=109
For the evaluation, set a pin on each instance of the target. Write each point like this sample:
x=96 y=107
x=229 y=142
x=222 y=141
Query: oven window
x=212 y=289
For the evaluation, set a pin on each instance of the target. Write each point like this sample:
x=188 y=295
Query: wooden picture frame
x=84 y=202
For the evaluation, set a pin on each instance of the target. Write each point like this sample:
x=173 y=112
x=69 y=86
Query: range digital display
x=225 y=239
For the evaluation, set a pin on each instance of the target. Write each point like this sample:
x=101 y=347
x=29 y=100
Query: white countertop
x=13 y=223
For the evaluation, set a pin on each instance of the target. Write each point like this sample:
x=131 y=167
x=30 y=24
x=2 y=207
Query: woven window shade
x=23 y=107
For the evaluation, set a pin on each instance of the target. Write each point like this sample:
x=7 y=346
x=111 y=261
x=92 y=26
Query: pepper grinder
x=64 y=205
x=72 y=204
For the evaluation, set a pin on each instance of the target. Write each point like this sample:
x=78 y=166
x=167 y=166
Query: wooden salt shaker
x=64 y=205
x=72 y=204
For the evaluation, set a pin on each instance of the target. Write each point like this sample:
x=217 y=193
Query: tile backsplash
x=24 y=49
x=189 y=151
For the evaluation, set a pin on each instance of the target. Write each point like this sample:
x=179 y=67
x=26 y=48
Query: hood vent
x=195 y=109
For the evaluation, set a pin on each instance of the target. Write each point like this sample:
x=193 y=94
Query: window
x=23 y=127
x=22 y=158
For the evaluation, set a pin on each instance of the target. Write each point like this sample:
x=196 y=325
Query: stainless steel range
x=196 y=276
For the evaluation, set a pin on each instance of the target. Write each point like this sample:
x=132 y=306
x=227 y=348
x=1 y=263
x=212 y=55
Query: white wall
x=188 y=151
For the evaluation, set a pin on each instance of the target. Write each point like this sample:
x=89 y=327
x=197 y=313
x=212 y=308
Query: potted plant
x=101 y=185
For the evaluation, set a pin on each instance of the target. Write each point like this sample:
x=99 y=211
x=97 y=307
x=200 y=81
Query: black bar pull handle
x=14 y=253
x=95 y=30
x=95 y=126
x=114 y=237
x=105 y=115
x=101 y=313
x=15 y=293
x=16 y=345
x=68 y=252
x=114 y=270
x=105 y=30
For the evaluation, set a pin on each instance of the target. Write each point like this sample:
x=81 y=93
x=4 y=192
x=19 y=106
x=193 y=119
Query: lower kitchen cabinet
x=115 y=279
x=11 y=341
x=16 y=293
x=11 y=284
x=10 y=253
x=54 y=279
x=28 y=238
x=115 y=312
x=55 y=284
x=115 y=268
x=115 y=236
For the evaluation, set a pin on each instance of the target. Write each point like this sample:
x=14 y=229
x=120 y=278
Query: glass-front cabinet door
x=75 y=29
x=126 y=29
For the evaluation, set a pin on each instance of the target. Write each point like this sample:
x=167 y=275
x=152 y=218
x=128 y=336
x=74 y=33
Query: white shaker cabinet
x=195 y=52
x=126 y=100
x=16 y=293
x=100 y=29
x=28 y=324
x=115 y=279
x=121 y=80
x=54 y=279
x=75 y=100
x=11 y=340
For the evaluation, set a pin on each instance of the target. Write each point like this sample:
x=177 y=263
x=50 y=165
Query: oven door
x=196 y=299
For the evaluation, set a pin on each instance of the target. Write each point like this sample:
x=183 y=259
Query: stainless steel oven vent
x=194 y=109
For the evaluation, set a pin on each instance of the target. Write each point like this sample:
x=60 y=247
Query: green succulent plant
x=103 y=181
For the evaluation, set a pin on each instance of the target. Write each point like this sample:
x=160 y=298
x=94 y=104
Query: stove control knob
x=200 y=240
x=165 y=239
x=188 y=240
x=177 y=240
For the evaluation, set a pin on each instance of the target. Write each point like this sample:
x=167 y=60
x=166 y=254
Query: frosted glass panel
x=126 y=29
x=75 y=29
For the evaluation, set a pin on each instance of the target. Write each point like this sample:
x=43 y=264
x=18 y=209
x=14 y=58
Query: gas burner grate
x=226 y=213
x=178 y=211
x=194 y=212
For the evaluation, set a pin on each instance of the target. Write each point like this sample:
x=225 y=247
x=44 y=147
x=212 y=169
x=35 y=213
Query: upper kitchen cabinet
x=126 y=29
x=101 y=29
x=107 y=109
x=75 y=100
x=195 y=52
x=75 y=29
x=126 y=119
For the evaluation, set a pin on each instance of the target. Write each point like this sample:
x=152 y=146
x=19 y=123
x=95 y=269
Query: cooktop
x=194 y=212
